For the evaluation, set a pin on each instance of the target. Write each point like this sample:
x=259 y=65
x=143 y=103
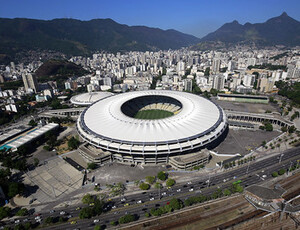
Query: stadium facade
x=111 y=125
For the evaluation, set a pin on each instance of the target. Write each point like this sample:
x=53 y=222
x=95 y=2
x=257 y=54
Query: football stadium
x=151 y=126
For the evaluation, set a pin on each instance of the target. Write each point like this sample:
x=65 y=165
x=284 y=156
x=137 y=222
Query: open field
x=153 y=114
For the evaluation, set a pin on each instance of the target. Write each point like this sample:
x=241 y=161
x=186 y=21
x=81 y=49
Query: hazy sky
x=196 y=17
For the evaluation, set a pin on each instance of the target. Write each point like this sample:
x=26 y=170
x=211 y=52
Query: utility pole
x=159 y=192
x=248 y=167
x=208 y=180
x=281 y=155
x=289 y=168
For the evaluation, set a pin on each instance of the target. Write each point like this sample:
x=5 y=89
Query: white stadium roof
x=104 y=119
x=89 y=98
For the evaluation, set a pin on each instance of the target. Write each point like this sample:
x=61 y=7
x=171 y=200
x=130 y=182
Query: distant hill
x=76 y=37
x=281 y=30
x=58 y=70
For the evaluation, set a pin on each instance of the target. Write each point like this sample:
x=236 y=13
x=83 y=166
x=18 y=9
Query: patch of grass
x=153 y=114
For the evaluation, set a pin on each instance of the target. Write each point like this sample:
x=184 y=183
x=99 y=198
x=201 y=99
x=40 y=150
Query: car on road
x=52 y=211
x=123 y=199
x=264 y=176
x=17 y=221
x=91 y=204
x=69 y=216
x=179 y=190
x=37 y=218
x=126 y=204
x=96 y=220
x=62 y=213
x=191 y=189
x=73 y=222
x=189 y=182
x=164 y=193
x=139 y=202
x=78 y=208
x=152 y=198
x=113 y=207
x=25 y=220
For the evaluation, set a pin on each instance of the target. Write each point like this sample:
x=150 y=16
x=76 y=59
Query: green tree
x=88 y=198
x=22 y=212
x=27 y=226
x=158 y=185
x=269 y=127
x=150 y=179
x=98 y=206
x=170 y=182
x=36 y=162
x=292 y=129
x=156 y=212
x=162 y=175
x=275 y=174
x=49 y=220
x=47 y=148
x=98 y=227
x=226 y=192
x=126 y=219
x=32 y=123
x=144 y=186
x=207 y=70
x=4 y=212
x=113 y=223
x=73 y=143
x=92 y=165
x=176 y=204
x=15 y=188
x=281 y=172
x=86 y=212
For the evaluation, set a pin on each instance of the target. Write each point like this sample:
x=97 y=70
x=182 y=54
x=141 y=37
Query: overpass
x=62 y=113
x=258 y=118
x=236 y=118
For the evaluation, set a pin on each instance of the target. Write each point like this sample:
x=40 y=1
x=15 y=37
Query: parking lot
x=242 y=141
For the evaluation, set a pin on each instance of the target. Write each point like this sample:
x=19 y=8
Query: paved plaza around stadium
x=241 y=141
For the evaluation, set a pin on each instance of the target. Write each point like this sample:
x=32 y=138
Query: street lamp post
x=208 y=180
x=159 y=192
x=289 y=168
x=281 y=155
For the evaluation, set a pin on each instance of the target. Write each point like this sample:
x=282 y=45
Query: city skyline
x=197 y=18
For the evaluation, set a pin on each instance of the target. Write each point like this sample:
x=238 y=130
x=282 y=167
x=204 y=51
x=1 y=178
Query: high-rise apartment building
x=216 y=65
x=218 y=82
x=30 y=82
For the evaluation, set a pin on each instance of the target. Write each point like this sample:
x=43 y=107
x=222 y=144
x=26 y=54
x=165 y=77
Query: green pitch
x=152 y=114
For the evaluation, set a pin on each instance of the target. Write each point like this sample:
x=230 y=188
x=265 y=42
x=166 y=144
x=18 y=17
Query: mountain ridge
x=73 y=36
x=280 y=30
